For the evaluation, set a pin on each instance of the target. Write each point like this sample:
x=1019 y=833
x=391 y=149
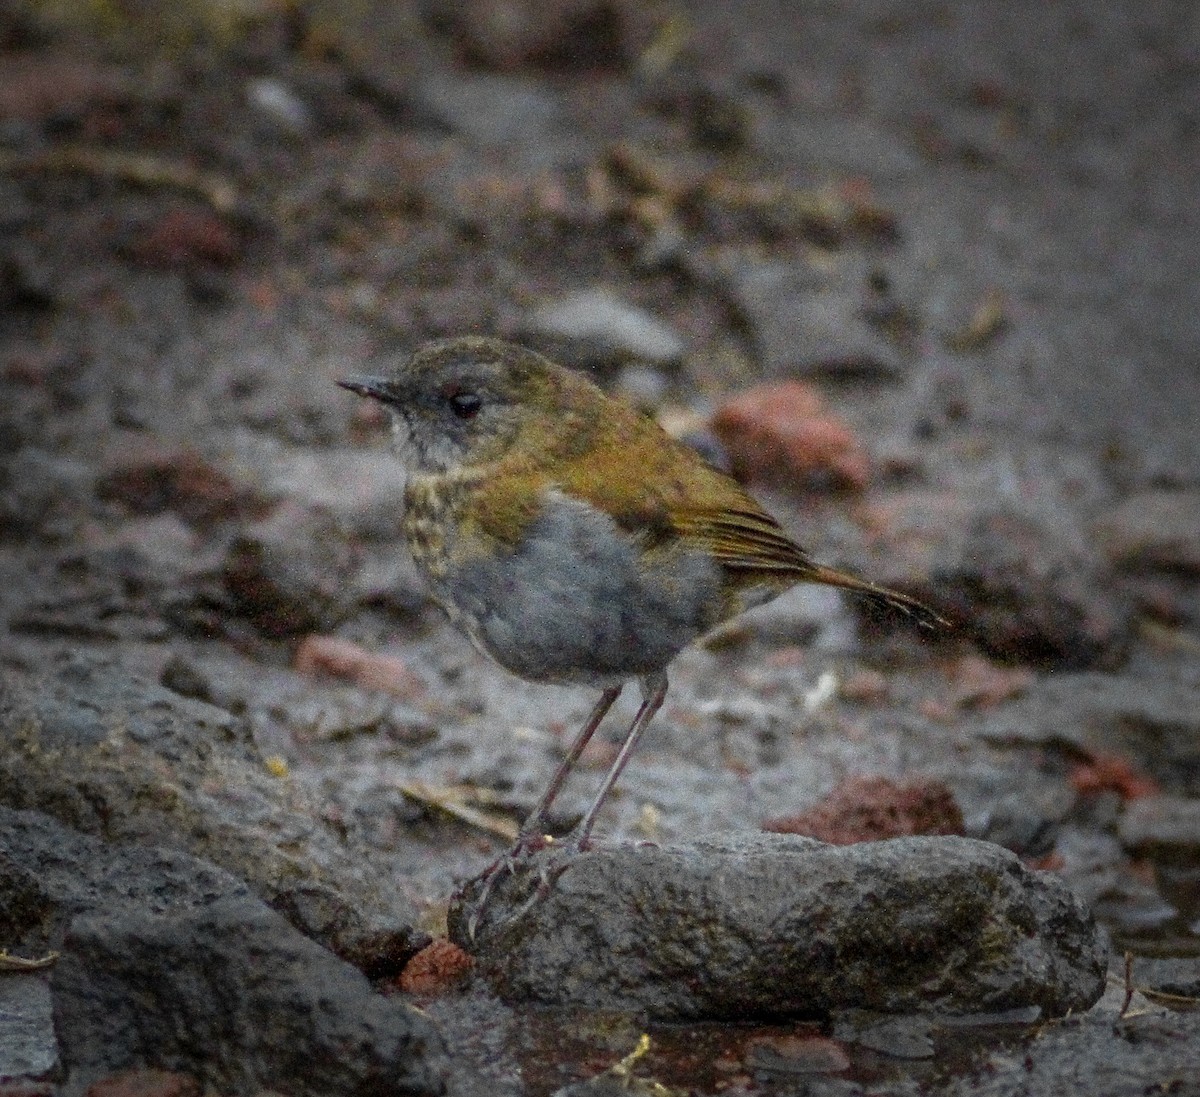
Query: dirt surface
x=969 y=229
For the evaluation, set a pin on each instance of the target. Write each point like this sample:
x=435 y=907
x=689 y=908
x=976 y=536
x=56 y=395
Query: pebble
x=782 y=433
x=1161 y=826
x=1154 y=530
x=608 y=326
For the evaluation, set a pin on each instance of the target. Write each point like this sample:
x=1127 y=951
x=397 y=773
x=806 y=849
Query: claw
x=506 y=863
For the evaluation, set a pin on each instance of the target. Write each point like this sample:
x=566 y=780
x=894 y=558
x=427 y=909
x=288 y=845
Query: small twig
x=453 y=802
x=1164 y=996
x=21 y=963
x=139 y=169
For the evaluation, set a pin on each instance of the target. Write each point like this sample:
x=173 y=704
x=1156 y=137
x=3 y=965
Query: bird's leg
x=654 y=690
x=535 y=825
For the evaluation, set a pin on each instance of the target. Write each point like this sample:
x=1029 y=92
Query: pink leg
x=536 y=823
x=654 y=690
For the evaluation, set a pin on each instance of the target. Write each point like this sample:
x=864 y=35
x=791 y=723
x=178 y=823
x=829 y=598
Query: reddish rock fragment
x=145 y=1083
x=796 y=1055
x=437 y=967
x=870 y=809
x=782 y=433
x=509 y=35
x=865 y=686
x=186 y=237
x=1112 y=773
x=340 y=658
x=149 y=478
x=978 y=683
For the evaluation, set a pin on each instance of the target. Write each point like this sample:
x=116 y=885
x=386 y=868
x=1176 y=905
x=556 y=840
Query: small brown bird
x=571 y=538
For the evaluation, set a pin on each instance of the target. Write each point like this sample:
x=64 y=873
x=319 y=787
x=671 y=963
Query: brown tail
x=920 y=613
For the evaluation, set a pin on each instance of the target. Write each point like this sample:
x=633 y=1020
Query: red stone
x=782 y=433
x=437 y=967
x=340 y=658
x=870 y=809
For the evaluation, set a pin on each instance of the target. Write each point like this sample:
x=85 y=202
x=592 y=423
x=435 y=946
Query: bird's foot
x=507 y=864
x=553 y=857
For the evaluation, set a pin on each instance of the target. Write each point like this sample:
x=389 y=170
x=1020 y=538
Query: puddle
x=555 y=1049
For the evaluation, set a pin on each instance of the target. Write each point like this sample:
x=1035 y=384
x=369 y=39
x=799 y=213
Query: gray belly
x=575 y=603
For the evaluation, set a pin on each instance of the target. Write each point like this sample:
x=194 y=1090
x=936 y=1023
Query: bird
x=571 y=538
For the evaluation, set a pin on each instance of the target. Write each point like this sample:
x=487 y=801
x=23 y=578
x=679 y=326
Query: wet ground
x=971 y=230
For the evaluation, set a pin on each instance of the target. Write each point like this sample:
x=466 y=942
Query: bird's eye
x=463 y=403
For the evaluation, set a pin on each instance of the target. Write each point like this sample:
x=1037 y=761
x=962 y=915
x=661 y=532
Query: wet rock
x=595 y=327
x=1152 y=720
x=107 y=752
x=1027 y=598
x=896 y=1037
x=1023 y=584
x=762 y=925
x=869 y=809
x=1025 y=823
x=167 y=961
x=1098 y=1052
x=271 y=1002
x=28 y=1048
x=783 y=434
x=1179 y=975
x=1154 y=530
x=42 y=495
x=805 y=320
x=1162 y=827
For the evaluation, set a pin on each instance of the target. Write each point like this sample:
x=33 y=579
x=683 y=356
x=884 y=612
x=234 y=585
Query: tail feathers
x=915 y=610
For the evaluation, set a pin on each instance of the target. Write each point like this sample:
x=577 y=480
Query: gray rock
x=1162 y=826
x=1023 y=581
x=777 y=925
x=1154 y=530
x=230 y=992
x=803 y=320
x=1097 y=1053
x=167 y=961
x=1177 y=975
x=28 y=1047
x=490 y=110
x=109 y=753
x=1152 y=719
x=290 y=573
x=596 y=325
